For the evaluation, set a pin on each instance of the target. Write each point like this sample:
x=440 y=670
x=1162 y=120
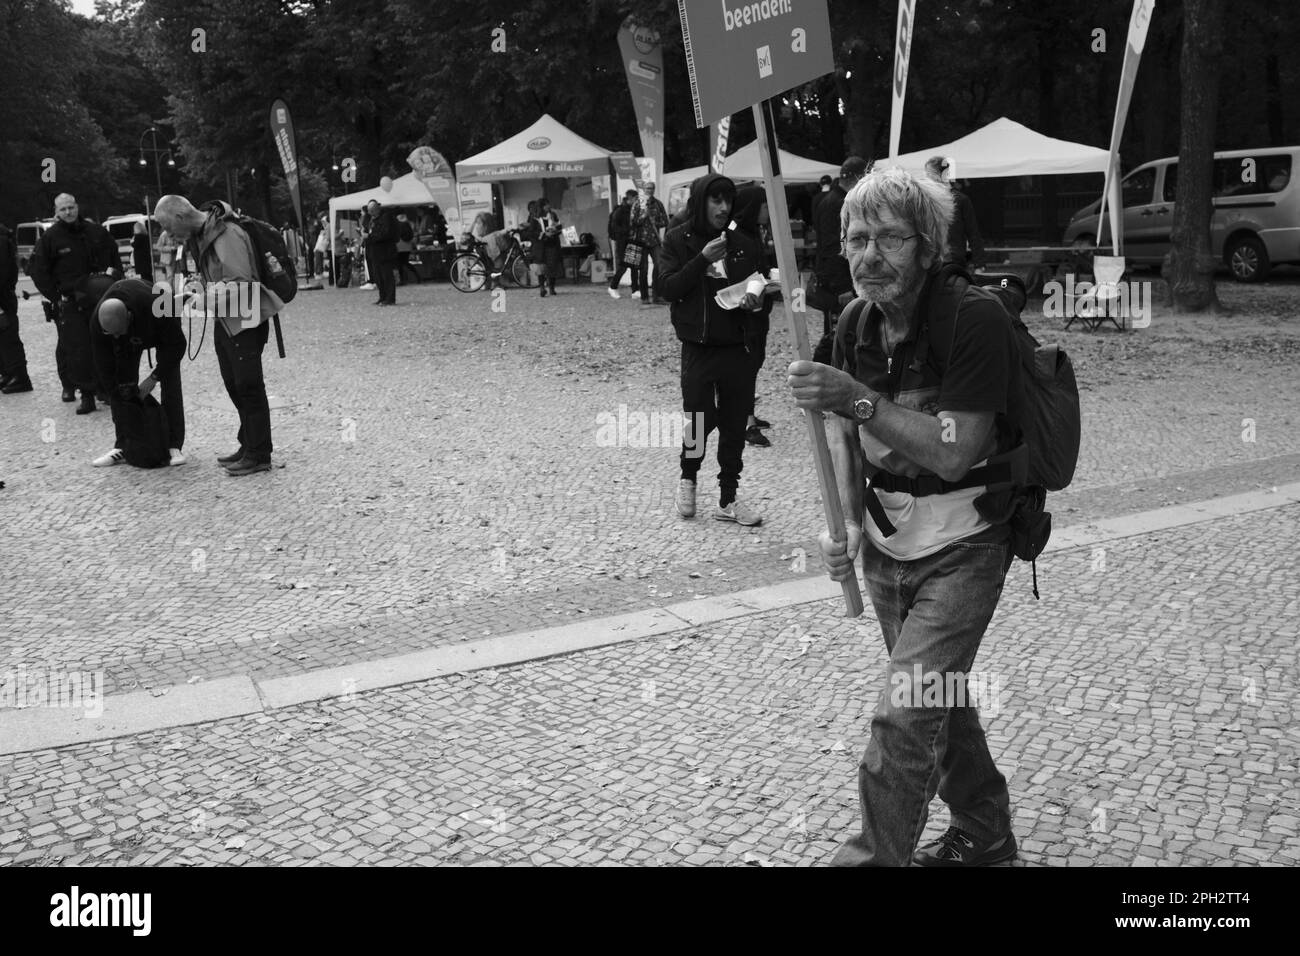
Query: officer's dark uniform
x=117 y=358
x=66 y=255
x=13 y=358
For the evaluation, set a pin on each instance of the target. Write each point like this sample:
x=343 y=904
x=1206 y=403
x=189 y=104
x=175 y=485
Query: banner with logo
x=287 y=147
x=643 y=59
x=751 y=51
x=902 y=56
x=435 y=173
x=718 y=133
x=1137 y=38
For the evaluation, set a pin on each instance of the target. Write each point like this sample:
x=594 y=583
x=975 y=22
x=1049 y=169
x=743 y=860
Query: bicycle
x=472 y=270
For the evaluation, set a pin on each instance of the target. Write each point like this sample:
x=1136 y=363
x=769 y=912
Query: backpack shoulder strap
x=949 y=288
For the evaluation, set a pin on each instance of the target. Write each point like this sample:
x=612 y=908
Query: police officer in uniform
x=66 y=255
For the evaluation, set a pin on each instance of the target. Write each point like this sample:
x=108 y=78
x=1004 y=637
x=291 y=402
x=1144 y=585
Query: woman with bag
x=552 y=264
x=645 y=235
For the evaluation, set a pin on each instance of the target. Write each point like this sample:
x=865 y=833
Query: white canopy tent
x=407 y=190
x=744 y=165
x=1007 y=148
x=546 y=150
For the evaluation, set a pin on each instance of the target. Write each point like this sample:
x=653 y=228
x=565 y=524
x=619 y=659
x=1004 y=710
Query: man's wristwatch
x=863 y=409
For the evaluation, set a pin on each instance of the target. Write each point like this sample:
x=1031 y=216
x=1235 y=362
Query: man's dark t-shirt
x=973 y=366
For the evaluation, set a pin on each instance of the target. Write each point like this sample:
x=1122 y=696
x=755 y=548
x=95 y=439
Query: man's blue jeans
x=933 y=612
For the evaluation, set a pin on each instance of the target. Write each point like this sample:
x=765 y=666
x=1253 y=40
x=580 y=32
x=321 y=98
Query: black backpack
x=1051 y=429
x=146 y=437
x=276 y=269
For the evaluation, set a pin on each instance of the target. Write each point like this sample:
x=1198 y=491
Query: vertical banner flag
x=287 y=147
x=902 y=55
x=744 y=55
x=435 y=172
x=643 y=58
x=1137 y=38
x=718 y=144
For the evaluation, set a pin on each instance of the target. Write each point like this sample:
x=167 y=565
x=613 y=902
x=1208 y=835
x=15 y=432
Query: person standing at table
x=552 y=263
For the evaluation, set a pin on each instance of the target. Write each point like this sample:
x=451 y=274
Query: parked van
x=1256 y=222
x=122 y=229
x=25 y=237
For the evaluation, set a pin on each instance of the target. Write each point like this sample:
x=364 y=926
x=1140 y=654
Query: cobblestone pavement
x=1141 y=716
x=442 y=480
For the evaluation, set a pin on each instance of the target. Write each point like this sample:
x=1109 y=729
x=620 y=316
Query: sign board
x=643 y=59
x=740 y=53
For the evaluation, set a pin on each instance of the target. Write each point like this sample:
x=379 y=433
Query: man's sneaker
x=234 y=456
x=247 y=467
x=13 y=386
x=69 y=395
x=109 y=459
x=756 y=437
x=613 y=294
x=178 y=457
x=760 y=423
x=87 y=403
x=367 y=287
x=958 y=848
x=686 y=498
x=741 y=514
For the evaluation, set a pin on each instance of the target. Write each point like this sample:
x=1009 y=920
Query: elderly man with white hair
x=225 y=254
x=926 y=381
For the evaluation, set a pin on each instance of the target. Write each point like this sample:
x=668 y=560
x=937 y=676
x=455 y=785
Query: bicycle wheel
x=519 y=272
x=468 y=273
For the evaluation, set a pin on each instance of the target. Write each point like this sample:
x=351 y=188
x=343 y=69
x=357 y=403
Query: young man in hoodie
x=700 y=257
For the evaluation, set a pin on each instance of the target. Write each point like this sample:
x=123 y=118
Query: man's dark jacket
x=620 y=223
x=383 y=236
x=117 y=357
x=67 y=253
x=683 y=282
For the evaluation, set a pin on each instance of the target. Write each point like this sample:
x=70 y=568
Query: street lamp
x=152 y=133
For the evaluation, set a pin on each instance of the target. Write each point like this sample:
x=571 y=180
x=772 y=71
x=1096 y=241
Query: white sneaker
x=686 y=498
x=613 y=294
x=636 y=295
x=367 y=287
x=108 y=459
x=178 y=457
x=738 y=513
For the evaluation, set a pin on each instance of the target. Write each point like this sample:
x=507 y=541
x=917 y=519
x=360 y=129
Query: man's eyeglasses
x=886 y=243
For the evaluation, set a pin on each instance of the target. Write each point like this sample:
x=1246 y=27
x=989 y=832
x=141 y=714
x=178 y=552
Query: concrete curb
x=44 y=728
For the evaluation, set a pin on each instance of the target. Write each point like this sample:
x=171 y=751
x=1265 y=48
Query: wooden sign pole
x=780 y=217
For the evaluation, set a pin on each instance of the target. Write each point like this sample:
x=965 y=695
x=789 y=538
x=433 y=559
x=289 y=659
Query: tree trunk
x=1189 y=267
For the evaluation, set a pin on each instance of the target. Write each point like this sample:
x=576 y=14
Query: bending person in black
x=123 y=325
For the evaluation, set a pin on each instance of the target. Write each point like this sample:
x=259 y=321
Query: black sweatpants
x=717 y=392
x=240 y=360
x=74 y=339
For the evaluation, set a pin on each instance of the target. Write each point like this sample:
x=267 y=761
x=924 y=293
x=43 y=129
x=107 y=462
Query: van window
x=1271 y=174
x=1138 y=188
x=1171 y=182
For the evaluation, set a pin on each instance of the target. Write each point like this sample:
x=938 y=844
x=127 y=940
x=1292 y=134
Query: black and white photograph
x=650 y=433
